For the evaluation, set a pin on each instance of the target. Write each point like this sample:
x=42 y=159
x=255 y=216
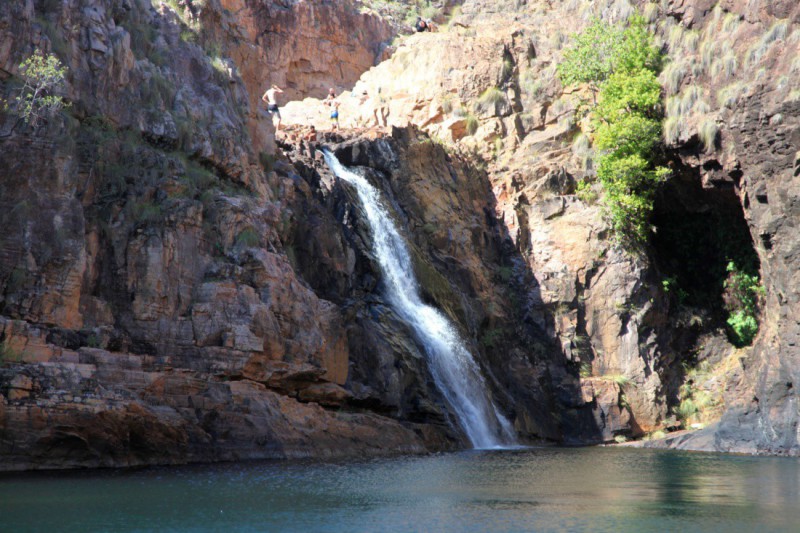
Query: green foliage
x=686 y=409
x=585 y=370
x=744 y=328
x=492 y=337
x=742 y=294
x=603 y=49
x=622 y=62
x=147 y=212
x=709 y=131
x=592 y=56
x=637 y=51
x=43 y=76
x=627 y=93
x=248 y=238
x=670 y=286
x=490 y=99
x=471 y=124
x=632 y=134
x=621 y=380
x=585 y=192
x=697 y=401
x=629 y=183
x=655 y=435
x=188 y=36
x=430 y=12
x=8 y=354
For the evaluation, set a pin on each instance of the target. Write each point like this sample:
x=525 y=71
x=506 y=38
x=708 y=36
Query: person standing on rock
x=333 y=103
x=379 y=109
x=271 y=98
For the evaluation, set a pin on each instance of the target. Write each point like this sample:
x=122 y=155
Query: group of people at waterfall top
x=380 y=108
x=270 y=97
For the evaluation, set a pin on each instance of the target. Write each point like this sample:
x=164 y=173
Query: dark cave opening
x=699 y=231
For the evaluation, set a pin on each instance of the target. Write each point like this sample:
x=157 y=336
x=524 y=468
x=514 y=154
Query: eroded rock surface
x=175 y=287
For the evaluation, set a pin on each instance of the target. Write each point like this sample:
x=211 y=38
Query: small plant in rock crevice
x=490 y=99
x=471 y=124
x=742 y=295
x=709 y=133
x=248 y=238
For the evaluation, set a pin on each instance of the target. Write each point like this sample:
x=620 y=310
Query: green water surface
x=552 y=489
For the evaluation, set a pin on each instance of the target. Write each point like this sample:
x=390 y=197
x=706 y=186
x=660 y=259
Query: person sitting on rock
x=421 y=25
x=333 y=103
x=271 y=98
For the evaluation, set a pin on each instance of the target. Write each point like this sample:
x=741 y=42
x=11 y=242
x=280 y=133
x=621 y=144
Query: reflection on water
x=598 y=489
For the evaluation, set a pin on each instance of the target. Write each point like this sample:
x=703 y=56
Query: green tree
x=602 y=49
x=592 y=56
x=43 y=76
x=622 y=64
x=630 y=92
x=636 y=50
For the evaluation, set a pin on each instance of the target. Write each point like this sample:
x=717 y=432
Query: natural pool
x=539 y=489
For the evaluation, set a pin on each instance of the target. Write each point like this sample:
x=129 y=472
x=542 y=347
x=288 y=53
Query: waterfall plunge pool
x=534 y=489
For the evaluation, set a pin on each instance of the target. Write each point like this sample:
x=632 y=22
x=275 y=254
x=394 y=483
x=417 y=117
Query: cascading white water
x=454 y=370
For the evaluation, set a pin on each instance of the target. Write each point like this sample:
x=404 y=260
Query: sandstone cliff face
x=487 y=86
x=147 y=295
x=174 y=289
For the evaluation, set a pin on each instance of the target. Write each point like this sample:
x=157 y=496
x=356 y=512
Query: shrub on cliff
x=43 y=76
x=621 y=65
x=742 y=294
x=602 y=49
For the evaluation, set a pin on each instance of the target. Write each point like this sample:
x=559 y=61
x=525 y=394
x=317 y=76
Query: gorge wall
x=175 y=286
x=730 y=139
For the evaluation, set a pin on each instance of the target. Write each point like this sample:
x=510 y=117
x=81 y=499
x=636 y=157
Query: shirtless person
x=271 y=98
x=334 y=105
x=309 y=139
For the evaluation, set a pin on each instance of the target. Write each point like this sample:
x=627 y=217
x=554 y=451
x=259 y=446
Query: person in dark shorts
x=333 y=103
x=271 y=98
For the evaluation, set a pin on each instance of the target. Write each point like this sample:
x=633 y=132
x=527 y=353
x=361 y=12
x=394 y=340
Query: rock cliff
x=486 y=85
x=177 y=285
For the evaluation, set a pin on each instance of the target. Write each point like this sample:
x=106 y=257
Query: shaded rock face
x=763 y=405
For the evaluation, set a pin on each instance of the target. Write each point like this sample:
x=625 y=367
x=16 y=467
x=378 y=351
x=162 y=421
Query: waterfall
x=454 y=370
